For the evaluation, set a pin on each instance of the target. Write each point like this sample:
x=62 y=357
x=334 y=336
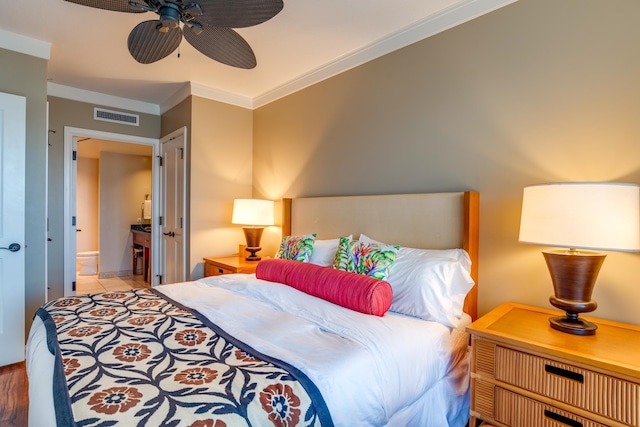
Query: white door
x=173 y=265
x=12 y=212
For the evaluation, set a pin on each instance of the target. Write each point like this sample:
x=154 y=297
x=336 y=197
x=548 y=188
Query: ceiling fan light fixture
x=195 y=27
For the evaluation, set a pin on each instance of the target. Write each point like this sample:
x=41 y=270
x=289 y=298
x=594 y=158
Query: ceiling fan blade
x=238 y=13
x=115 y=5
x=223 y=45
x=147 y=44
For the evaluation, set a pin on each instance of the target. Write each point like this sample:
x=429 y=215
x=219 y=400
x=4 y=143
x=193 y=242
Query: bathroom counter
x=141 y=228
x=141 y=237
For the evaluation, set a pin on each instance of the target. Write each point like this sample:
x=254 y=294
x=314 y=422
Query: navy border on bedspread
x=140 y=358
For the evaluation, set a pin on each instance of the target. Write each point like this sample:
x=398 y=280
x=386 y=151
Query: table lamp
x=602 y=216
x=254 y=214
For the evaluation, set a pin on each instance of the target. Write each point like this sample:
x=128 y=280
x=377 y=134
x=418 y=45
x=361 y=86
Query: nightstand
x=215 y=266
x=525 y=374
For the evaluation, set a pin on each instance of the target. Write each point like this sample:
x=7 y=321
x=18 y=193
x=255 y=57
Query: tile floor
x=92 y=284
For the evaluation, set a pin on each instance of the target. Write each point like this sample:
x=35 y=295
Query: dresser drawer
x=216 y=266
x=608 y=396
x=214 y=270
x=515 y=410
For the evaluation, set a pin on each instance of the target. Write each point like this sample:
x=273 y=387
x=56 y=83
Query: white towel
x=147 y=209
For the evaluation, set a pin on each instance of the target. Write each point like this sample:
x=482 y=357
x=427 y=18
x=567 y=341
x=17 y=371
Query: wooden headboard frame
x=427 y=221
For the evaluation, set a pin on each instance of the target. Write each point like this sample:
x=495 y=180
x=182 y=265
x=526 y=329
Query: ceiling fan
x=207 y=27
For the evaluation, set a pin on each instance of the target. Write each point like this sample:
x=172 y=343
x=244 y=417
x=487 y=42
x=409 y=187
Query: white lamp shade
x=582 y=215
x=252 y=212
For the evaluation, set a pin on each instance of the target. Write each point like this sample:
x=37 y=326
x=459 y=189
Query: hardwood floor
x=14 y=401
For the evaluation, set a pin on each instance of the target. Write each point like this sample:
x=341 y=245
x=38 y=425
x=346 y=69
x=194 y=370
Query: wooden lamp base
x=253 y=236
x=573 y=274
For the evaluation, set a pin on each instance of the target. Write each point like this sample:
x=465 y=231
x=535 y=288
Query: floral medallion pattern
x=138 y=359
x=282 y=404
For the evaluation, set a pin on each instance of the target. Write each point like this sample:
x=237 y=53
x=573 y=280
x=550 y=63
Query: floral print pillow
x=370 y=259
x=296 y=248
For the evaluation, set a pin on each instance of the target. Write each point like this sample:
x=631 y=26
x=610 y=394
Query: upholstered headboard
x=427 y=221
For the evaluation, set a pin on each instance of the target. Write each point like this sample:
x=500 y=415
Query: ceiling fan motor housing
x=170 y=15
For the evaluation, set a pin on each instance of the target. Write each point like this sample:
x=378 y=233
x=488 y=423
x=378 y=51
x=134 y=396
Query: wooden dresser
x=216 y=266
x=525 y=374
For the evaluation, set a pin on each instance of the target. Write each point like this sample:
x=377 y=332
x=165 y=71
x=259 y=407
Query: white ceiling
x=308 y=41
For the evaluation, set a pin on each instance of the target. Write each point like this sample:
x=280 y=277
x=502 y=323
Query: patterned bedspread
x=137 y=358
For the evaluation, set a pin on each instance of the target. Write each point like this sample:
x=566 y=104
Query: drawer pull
x=564 y=373
x=221 y=271
x=562 y=419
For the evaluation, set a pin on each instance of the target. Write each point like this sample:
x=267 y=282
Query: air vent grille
x=116 y=117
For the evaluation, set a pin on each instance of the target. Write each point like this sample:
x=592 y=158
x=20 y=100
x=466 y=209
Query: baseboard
x=111 y=274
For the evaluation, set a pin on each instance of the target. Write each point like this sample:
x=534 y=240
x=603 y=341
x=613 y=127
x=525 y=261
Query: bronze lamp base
x=573 y=274
x=572 y=324
x=253 y=236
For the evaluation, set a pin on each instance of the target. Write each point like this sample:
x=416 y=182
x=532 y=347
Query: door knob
x=13 y=247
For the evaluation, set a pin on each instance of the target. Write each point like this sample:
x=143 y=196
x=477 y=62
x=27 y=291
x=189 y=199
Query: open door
x=173 y=219
x=12 y=227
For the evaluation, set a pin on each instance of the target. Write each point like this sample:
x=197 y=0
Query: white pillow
x=324 y=251
x=430 y=284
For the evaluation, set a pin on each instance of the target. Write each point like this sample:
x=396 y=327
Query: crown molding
x=26 y=45
x=178 y=96
x=67 y=92
x=203 y=91
x=220 y=95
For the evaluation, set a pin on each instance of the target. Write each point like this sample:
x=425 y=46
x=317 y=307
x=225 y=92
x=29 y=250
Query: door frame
x=71 y=134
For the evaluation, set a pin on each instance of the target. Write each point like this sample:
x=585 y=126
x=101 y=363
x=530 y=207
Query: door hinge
x=73 y=286
x=159 y=279
x=73 y=221
x=160 y=220
x=160 y=160
x=75 y=155
x=181 y=225
x=181 y=153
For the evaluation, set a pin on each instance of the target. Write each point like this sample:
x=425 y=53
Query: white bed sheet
x=371 y=371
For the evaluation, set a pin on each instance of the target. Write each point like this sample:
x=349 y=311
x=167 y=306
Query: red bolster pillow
x=354 y=291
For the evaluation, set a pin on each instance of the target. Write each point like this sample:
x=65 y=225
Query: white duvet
x=371 y=371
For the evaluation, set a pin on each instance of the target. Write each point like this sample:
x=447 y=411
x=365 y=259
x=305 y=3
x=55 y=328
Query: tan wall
x=124 y=182
x=538 y=91
x=177 y=117
x=87 y=204
x=221 y=162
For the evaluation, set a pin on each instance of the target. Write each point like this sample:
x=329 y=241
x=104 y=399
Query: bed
x=285 y=346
